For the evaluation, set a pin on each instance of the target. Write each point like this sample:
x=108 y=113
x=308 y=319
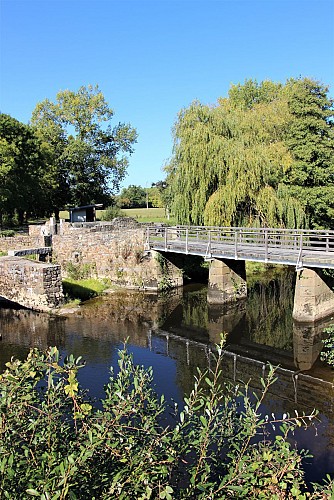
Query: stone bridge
x=32 y=284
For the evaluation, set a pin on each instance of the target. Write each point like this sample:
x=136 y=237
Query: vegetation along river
x=174 y=334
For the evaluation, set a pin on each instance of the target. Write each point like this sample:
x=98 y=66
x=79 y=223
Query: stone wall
x=115 y=252
x=35 y=285
x=20 y=242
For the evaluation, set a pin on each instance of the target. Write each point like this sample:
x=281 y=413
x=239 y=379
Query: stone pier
x=314 y=296
x=166 y=274
x=32 y=284
x=227 y=281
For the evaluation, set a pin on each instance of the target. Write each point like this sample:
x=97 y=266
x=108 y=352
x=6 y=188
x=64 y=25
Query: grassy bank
x=77 y=291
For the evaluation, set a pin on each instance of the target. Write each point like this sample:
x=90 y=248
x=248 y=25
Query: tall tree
x=88 y=155
x=21 y=169
x=132 y=197
x=310 y=140
x=233 y=163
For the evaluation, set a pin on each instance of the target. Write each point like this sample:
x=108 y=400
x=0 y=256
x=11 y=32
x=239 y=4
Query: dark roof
x=97 y=205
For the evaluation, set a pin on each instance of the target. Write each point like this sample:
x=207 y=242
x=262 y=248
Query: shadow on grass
x=78 y=291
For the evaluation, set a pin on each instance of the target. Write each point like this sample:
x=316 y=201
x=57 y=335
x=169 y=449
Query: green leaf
x=33 y=492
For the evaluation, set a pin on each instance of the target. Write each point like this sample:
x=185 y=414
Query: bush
x=54 y=444
x=6 y=233
x=111 y=213
x=327 y=354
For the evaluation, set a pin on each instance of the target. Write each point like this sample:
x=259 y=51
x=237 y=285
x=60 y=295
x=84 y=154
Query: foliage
x=262 y=156
x=132 y=197
x=21 y=164
x=86 y=155
x=5 y=233
x=79 y=271
x=155 y=198
x=55 y=444
x=111 y=212
x=310 y=140
x=327 y=354
x=165 y=193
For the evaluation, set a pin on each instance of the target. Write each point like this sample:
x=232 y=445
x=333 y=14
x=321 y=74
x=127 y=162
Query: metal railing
x=296 y=247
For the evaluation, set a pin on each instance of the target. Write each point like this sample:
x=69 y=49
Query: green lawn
x=140 y=214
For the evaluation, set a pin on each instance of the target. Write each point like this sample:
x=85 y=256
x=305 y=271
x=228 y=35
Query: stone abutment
x=35 y=285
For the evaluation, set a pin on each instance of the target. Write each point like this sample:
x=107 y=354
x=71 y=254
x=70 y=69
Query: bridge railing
x=241 y=239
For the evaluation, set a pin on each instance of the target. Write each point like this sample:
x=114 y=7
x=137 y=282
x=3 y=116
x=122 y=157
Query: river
x=175 y=333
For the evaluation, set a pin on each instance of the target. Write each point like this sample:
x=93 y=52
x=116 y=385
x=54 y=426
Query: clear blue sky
x=151 y=58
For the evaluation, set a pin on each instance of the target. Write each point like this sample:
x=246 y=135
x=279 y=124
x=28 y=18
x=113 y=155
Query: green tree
x=262 y=156
x=21 y=170
x=7 y=164
x=154 y=197
x=132 y=197
x=90 y=159
x=56 y=171
x=310 y=140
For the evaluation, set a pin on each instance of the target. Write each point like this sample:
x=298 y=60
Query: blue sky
x=153 y=58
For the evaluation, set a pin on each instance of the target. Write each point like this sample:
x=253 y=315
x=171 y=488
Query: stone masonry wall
x=20 y=242
x=35 y=285
x=117 y=254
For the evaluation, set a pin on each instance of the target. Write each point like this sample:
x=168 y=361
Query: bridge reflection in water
x=228 y=248
x=177 y=333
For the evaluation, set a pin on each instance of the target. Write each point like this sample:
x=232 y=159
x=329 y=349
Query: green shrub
x=80 y=271
x=6 y=233
x=111 y=212
x=327 y=354
x=54 y=444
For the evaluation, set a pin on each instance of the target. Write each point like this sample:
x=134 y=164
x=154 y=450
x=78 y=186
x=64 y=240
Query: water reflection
x=176 y=334
x=307 y=342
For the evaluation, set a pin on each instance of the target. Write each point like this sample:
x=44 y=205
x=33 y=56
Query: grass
x=140 y=214
x=83 y=289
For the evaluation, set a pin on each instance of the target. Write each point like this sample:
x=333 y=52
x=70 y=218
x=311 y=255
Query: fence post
x=299 y=263
x=148 y=238
x=187 y=233
x=236 y=244
x=266 y=245
x=165 y=238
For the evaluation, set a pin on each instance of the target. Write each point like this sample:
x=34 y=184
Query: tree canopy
x=88 y=155
x=132 y=197
x=69 y=155
x=262 y=156
x=21 y=169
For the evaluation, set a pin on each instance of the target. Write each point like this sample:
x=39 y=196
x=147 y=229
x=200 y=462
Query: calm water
x=176 y=333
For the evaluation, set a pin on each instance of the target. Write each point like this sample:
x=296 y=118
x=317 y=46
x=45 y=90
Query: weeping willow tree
x=231 y=161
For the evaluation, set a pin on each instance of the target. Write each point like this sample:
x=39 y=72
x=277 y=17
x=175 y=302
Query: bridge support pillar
x=227 y=281
x=314 y=296
x=167 y=273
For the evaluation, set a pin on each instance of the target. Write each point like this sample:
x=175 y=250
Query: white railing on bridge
x=310 y=248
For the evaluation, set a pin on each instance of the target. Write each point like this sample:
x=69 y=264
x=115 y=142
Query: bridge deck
x=299 y=248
